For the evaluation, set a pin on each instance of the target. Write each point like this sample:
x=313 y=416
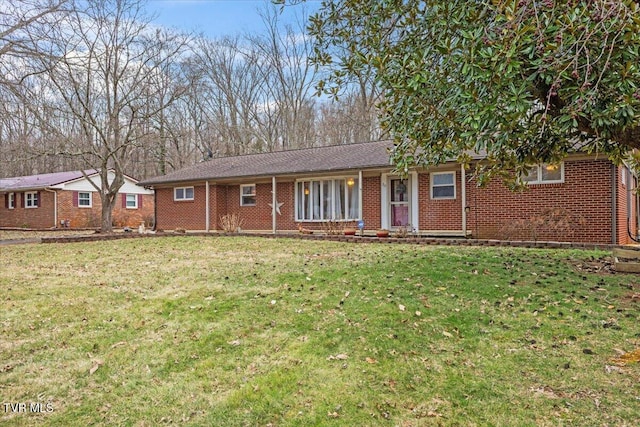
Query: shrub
x=231 y=223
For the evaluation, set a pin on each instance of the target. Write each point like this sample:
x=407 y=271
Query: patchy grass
x=246 y=331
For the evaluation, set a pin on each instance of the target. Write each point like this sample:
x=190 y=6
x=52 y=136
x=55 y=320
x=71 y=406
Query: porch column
x=360 y=207
x=463 y=185
x=274 y=205
x=414 y=186
x=207 y=209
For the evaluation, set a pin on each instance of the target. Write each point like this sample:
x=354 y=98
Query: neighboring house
x=584 y=199
x=68 y=199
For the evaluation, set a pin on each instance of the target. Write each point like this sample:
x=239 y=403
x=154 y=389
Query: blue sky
x=217 y=18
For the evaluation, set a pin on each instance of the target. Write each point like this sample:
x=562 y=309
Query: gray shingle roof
x=33 y=182
x=321 y=159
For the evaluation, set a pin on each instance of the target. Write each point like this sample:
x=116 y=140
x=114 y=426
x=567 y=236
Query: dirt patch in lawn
x=601 y=265
x=13 y=234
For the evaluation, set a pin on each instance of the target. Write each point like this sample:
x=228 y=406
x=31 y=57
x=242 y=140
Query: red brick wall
x=633 y=224
x=187 y=214
x=44 y=215
x=443 y=214
x=217 y=204
x=584 y=198
x=123 y=216
x=40 y=217
x=285 y=193
x=577 y=210
x=83 y=217
x=371 y=196
x=627 y=220
x=79 y=217
x=256 y=217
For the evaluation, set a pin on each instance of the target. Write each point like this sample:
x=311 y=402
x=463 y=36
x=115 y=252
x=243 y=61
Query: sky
x=217 y=18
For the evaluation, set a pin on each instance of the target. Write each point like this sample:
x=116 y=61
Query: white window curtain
x=327 y=199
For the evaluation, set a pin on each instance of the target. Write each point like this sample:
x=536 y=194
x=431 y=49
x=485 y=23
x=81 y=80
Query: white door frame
x=385 y=200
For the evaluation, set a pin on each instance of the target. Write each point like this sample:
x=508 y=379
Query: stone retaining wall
x=351 y=239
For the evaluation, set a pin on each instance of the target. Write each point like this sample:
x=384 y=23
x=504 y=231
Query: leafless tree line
x=95 y=84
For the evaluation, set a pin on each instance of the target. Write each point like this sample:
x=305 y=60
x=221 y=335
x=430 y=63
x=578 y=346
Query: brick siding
x=627 y=219
x=584 y=198
x=40 y=217
x=186 y=214
x=77 y=217
x=577 y=210
x=443 y=214
x=371 y=210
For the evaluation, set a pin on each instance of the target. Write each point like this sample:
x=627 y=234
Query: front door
x=399 y=202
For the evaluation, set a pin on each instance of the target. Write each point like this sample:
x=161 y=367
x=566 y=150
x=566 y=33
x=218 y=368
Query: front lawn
x=241 y=331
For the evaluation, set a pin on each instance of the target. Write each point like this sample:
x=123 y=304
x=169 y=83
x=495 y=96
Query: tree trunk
x=107 y=213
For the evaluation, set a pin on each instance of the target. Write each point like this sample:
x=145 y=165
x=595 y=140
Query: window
x=443 y=185
x=11 y=200
x=183 y=193
x=248 y=195
x=328 y=199
x=84 y=199
x=545 y=173
x=31 y=199
x=131 y=201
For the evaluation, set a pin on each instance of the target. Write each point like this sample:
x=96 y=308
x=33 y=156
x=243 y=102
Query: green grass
x=258 y=332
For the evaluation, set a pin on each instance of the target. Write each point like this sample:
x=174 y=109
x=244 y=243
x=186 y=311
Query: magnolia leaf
x=340 y=356
x=96 y=364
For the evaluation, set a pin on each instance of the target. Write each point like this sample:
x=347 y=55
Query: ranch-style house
x=69 y=200
x=586 y=198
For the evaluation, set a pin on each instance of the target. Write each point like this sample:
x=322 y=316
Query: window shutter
x=75 y=199
x=38 y=199
x=124 y=201
x=6 y=201
x=139 y=201
x=22 y=200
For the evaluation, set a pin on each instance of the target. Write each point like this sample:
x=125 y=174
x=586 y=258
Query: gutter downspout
x=614 y=204
x=274 y=205
x=630 y=188
x=55 y=206
x=155 y=209
x=207 y=209
x=463 y=179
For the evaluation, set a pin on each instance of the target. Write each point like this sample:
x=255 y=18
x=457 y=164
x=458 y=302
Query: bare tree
x=232 y=93
x=103 y=64
x=21 y=24
x=289 y=80
x=100 y=88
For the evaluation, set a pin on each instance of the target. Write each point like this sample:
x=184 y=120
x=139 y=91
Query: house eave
x=262 y=176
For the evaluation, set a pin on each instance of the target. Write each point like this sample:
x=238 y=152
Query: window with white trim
x=545 y=173
x=443 y=185
x=131 y=201
x=183 y=193
x=84 y=199
x=328 y=199
x=11 y=201
x=248 y=195
x=31 y=199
